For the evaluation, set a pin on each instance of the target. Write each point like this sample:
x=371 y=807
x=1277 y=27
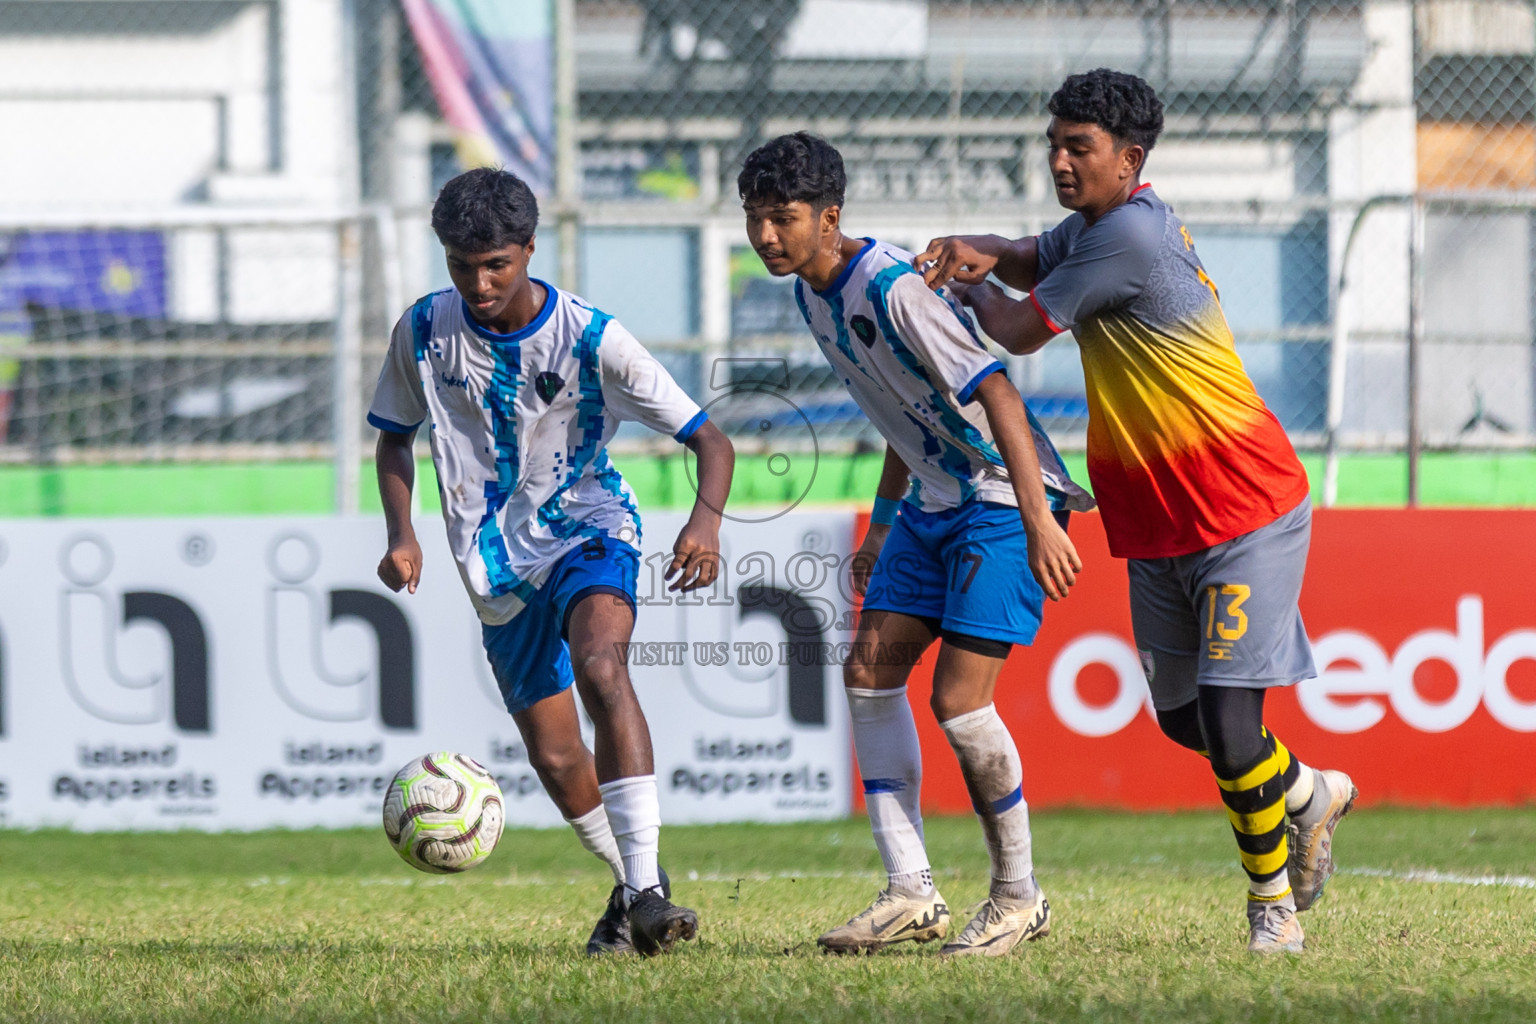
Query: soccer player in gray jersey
x=523 y=385
x=1198 y=485
x=964 y=543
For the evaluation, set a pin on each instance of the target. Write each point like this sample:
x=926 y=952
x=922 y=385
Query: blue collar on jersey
x=521 y=333
x=842 y=279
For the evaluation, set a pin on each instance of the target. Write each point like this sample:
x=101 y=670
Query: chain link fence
x=212 y=212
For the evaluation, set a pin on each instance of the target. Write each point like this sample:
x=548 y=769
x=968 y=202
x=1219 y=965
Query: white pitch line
x=1422 y=876
x=1501 y=881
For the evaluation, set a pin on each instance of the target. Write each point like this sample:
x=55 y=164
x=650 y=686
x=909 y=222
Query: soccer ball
x=443 y=813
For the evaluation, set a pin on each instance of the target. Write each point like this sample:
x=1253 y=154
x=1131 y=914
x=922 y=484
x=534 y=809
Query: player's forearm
x=1016 y=444
x=395 y=463
x=717 y=464
x=1016 y=261
x=1012 y=323
x=894 y=477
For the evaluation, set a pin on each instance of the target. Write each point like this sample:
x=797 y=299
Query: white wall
x=187 y=107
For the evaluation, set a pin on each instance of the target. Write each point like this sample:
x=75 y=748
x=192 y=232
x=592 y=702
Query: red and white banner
x=1423 y=624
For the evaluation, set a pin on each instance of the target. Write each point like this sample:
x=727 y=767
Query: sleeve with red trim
x=1107 y=266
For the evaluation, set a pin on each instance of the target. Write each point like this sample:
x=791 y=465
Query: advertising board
x=1423 y=626
x=247 y=673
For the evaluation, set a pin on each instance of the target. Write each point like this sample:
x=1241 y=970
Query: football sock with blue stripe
x=994 y=775
x=891 y=767
x=1255 y=800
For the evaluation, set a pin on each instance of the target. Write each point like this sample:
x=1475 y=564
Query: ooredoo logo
x=1355 y=666
x=1354 y=672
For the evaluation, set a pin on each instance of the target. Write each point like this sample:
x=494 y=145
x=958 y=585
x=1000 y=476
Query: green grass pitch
x=1432 y=918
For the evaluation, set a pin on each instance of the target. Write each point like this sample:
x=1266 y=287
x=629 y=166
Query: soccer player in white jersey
x=522 y=386
x=964 y=543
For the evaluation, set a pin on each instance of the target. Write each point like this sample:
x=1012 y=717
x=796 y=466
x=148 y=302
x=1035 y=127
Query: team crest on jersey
x=864 y=327
x=547 y=385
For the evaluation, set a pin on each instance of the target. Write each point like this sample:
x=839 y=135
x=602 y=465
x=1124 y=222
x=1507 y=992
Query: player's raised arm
x=970 y=258
x=1014 y=324
x=395 y=463
x=1052 y=557
x=696 y=555
x=894 y=479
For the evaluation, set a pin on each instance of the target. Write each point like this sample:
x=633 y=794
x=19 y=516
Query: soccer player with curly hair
x=521 y=386
x=1199 y=487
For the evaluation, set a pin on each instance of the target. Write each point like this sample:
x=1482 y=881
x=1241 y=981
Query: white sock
x=891 y=765
x=597 y=838
x=1299 y=797
x=989 y=760
x=634 y=814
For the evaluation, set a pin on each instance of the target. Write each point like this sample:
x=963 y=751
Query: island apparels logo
x=117 y=670
x=303 y=645
x=109 y=662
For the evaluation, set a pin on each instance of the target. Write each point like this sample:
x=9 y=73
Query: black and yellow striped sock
x=1255 y=800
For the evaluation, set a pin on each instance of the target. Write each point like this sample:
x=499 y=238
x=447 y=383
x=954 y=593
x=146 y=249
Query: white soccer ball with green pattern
x=443 y=813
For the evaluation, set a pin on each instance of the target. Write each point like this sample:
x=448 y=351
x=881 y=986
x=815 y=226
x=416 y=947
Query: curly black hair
x=794 y=168
x=485 y=209
x=1121 y=104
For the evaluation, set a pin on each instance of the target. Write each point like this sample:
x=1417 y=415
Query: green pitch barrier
x=1506 y=479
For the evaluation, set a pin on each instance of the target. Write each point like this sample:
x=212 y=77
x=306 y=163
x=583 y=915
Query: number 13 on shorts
x=1225 y=620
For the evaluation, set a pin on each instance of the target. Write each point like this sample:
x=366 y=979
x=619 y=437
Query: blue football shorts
x=528 y=653
x=966 y=568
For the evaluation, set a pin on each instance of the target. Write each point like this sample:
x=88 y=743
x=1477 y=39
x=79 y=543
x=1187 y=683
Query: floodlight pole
x=1415 y=334
x=567 y=153
x=347 y=396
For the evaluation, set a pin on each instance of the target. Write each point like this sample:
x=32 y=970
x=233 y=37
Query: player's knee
x=858 y=673
x=1182 y=725
x=553 y=762
x=945 y=706
x=603 y=678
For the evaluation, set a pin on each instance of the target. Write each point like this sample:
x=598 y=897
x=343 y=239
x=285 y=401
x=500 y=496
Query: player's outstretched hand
x=695 y=558
x=401 y=566
x=1054 y=561
x=863 y=561
x=953 y=258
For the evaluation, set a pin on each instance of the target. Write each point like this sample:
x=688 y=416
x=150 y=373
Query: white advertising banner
x=252 y=673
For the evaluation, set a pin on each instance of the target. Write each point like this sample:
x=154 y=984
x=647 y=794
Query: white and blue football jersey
x=519 y=428
x=912 y=361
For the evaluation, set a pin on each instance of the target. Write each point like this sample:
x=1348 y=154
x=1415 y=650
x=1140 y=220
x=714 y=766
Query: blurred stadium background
x=211 y=211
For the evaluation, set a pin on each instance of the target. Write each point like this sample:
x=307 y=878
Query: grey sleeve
x=1108 y=266
x=1052 y=245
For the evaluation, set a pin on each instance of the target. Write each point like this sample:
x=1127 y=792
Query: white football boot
x=1272 y=926
x=893 y=917
x=1002 y=924
x=1310 y=862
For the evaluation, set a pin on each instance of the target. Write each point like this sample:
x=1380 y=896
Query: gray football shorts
x=1226 y=615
